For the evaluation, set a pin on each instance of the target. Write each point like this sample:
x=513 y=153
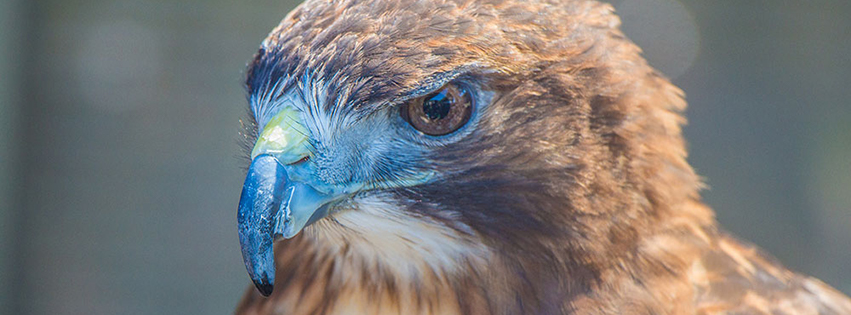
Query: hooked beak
x=273 y=205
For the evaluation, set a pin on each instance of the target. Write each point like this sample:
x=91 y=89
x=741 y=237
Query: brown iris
x=440 y=112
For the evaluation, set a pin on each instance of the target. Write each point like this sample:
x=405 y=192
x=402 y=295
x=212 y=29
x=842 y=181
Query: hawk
x=482 y=157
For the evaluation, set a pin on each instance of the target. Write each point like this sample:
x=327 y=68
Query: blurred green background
x=119 y=168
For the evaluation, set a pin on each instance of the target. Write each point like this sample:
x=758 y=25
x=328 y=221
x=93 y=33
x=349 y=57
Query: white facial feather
x=381 y=233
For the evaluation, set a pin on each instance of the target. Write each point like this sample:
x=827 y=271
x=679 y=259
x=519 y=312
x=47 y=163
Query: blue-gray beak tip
x=261 y=199
x=265 y=289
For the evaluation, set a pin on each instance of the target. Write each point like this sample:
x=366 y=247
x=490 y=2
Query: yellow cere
x=283 y=137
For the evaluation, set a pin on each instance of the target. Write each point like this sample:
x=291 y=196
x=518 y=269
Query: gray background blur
x=119 y=174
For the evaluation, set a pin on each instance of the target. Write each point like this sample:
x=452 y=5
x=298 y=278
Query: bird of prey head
x=472 y=157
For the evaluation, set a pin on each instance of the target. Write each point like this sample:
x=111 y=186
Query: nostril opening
x=302 y=160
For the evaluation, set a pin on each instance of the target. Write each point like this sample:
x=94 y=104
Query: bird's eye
x=440 y=112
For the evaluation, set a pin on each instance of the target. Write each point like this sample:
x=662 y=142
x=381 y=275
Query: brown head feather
x=572 y=196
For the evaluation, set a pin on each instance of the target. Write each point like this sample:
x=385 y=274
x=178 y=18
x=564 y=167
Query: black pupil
x=438 y=106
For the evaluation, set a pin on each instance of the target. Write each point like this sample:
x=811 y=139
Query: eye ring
x=441 y=112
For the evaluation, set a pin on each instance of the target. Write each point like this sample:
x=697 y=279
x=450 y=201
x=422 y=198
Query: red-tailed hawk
x=482 y=157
